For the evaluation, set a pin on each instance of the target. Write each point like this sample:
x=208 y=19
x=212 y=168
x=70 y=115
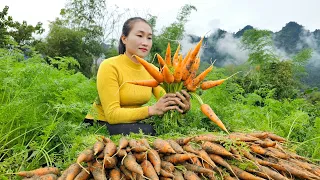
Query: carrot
x=177 y=175
x=48 y=177
x=193 y=55
x=196 y=169
x=235 y=153
x=115 y=174
x=296 y=171
x=183 y=141
x=39 y=172
x=165 y=178
x=178 y=158
x=219 y=160
x=175 y=60
x=109 y=162
x=242 y=137
x=178 y=71
x=125 y=171
x=168 y=55
x=167 y=75
x=136 y=146
x=162 y=146
x=189 y=148
x=206 y=110
x=97 y=171
x=147 y=83
x=192 y=72
x=123 y=142
x=175 y=146
x=207 y=137
x=278 y=153
x=266 y=143
x=276 y=137
x=154 y=158
x=189 y=175
x=140 y=156
x=109 y=149
x=131 y=164
x=260 y=135
x=150 y=68
x=98 y=147
x=100 y=155
x=210 y=84
x=148 y=170
x=144 y=142
x=83 y=175
x=310 y=167
x=73 y=171
x=166 y=174
x=184 y=71
x=271 y=173
x=228 y=177
x=160 y=60
x=204 y=155
x=196 y=161
x=215 y=149
x=201 y=76
x=167 y=166
x=243 y=174
x=122 y=153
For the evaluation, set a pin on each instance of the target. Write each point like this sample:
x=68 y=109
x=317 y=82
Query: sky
x=230 y=15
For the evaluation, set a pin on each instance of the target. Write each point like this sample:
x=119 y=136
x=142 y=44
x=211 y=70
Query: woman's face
x=139 y=40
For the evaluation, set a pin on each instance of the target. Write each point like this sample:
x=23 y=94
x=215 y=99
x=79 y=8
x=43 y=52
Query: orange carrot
x=206 y=109
x=178 y=158
x=201 y=76
x=175 y=60
x=162 y=146
x=73 y=171
x=167 y=76
x=210 y=84
x=166 y=174
x=39 y=172
x=204 y=155
x=296 y=171
x=196 y=169
x=115 y=174
x=131 y=164
x=219 y=160
x=271 y=173
x=168 y=55
x=97 y=171
x=242 y=137
x=178 y=71
x=207 y=137
x=175 y=146
x=165 y=178
x=189 y=148
x=151 y=69
x=48 y=177
x=214 y=148
x=140 y=157
x=98 y=147
x=137 y=146
x=160 y=60
x=154 y=158
x=278 y=153
x=193 y=55
x=235 y=153
x=243 y=174
x=147 y=83
x=276 y=137
x=184 y=71
x=125 y=171
x=183 y=141
x=148 y=170
x=122 y=153
x=109 y=162
x=177 y=175
x=167 y=166
x=266 y=143
x=193 y=72
x=228 y=177
x=260 y=135
x=144 y=142
x=109 y=149
x=196 y=161
x=83 y=175
x=189 y=175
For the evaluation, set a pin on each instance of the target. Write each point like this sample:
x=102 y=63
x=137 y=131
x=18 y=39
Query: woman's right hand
x=169 y=101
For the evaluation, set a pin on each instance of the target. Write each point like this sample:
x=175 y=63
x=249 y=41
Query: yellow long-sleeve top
x=124 y=105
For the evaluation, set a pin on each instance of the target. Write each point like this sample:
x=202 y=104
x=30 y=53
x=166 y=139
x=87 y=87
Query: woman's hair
x=127 y=27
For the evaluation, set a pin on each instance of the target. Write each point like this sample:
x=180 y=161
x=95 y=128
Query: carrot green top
x=124 y=105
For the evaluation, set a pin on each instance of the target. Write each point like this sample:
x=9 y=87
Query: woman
x=120 y=104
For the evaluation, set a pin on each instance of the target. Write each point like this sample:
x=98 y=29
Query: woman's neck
x=132 y=57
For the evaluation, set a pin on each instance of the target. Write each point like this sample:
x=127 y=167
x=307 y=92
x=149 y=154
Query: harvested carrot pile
x=259 y=155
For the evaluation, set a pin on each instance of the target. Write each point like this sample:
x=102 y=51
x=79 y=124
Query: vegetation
x=48 y=86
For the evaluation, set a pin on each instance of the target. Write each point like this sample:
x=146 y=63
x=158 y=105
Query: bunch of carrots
x=256 y=155
x=177 y=73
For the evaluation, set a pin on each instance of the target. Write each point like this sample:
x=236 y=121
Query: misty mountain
x=226 y=47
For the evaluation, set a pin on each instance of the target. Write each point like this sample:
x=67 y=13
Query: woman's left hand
x=184 y=100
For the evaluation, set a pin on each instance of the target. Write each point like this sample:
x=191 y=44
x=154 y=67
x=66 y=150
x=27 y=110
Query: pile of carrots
x=178 y=73
x=256 y=156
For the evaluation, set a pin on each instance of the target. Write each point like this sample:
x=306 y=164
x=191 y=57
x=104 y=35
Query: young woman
x=121 y=109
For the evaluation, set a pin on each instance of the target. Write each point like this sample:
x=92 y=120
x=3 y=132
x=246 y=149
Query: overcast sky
x=230 y=15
